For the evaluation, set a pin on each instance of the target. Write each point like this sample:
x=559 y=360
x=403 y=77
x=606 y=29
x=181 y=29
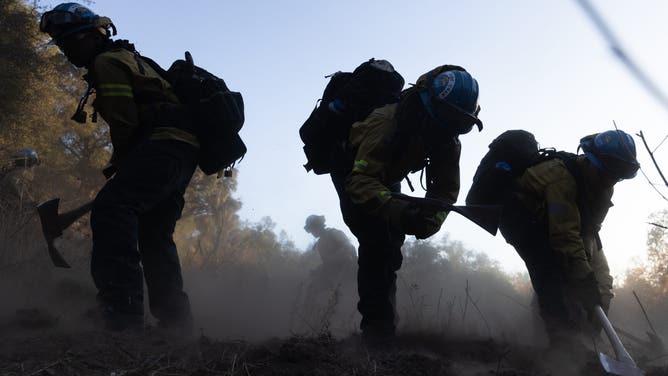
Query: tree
x=39 y=92
x=650 y=278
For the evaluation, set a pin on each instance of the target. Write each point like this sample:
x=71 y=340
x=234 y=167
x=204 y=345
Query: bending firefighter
x=553 y=217
x=154 y=156
x=421 y=131
x=337 y=255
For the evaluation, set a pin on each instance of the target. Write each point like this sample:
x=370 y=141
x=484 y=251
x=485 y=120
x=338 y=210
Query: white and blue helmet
x=451 y=98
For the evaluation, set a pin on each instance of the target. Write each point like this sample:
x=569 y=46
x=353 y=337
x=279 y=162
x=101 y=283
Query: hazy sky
x=541 y=66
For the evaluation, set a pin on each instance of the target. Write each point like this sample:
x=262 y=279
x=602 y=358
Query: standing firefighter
x=552 y=217
x=155 y=155
x=420 y=131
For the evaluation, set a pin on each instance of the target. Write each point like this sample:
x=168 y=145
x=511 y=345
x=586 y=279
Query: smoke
x=260 y=287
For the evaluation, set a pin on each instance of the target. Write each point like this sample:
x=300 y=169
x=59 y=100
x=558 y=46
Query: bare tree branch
x=620 y=53
x=657 y=225
x=653 y=185
x=651 y=155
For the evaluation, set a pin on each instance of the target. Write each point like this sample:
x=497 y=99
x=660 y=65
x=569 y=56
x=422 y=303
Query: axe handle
x=66 y=219
x=617 y=346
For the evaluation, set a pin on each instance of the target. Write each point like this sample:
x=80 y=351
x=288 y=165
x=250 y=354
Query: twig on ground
x=645 y=313
x=451 y=308
x=466 y=302
x=498 y=365
x=513 y=300
x=475 y=305
x=45 y=368
x=438 y=306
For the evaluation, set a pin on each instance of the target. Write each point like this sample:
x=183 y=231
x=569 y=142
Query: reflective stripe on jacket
x=129 y=97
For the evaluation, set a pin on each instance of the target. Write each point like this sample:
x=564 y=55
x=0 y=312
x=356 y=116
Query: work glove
x=430 y=224
x=413 y=219
x=109 y=171
x=586 y=293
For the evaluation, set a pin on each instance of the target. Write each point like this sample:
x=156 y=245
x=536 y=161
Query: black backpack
x=216 y=113
x=348 y=97
x=509 y=155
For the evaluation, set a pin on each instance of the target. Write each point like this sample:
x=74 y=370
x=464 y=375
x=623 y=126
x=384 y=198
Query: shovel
x=622 y=364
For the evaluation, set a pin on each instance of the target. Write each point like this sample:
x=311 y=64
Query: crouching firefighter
x=553 y=216
x=420 y=131
x=155 y=152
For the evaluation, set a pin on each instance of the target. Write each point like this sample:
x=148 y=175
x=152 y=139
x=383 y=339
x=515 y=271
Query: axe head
x=616 y=367
x=51 y=228
x=48 y=216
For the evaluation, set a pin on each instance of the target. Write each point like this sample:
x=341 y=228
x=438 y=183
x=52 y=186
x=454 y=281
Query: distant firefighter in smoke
x=337 y=255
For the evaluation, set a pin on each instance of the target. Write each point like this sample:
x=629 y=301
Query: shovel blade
x=615 y=367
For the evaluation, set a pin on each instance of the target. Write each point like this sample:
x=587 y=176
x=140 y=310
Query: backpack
x=509 y=155
x=347 y=98
x=216 y=113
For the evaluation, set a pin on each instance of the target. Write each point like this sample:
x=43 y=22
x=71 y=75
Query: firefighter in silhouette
x=553 y=218
x=337 y=254
x=419 y=132
x=155 y=153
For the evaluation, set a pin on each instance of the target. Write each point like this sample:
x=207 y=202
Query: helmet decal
x=447 y=82
x=451 y=99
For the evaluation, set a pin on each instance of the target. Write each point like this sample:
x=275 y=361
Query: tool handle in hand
x=617 y=346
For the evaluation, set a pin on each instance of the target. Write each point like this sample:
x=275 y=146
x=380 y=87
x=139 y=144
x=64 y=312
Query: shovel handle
x=617 y=346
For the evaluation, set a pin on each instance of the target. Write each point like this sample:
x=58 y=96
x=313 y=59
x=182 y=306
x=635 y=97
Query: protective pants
x=379 y=258
x=560 y=315
x=133 y=220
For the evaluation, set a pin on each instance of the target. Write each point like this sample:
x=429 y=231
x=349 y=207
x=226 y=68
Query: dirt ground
x=45 y=350
x=43 y=332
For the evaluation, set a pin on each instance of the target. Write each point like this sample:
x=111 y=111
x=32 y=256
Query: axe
x=53 y=225
x=622 y=364
x=485 y=216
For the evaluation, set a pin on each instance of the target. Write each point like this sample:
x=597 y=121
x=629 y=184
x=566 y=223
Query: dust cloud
x=263 y=290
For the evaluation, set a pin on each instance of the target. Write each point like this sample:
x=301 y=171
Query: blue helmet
x=26 y=158
x=613 y=152
x=69 y=18
x=451 y=98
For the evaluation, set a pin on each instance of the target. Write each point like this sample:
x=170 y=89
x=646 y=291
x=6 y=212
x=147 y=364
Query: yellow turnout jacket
x=376 y=167
x=550 y=193
x=129 y=95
